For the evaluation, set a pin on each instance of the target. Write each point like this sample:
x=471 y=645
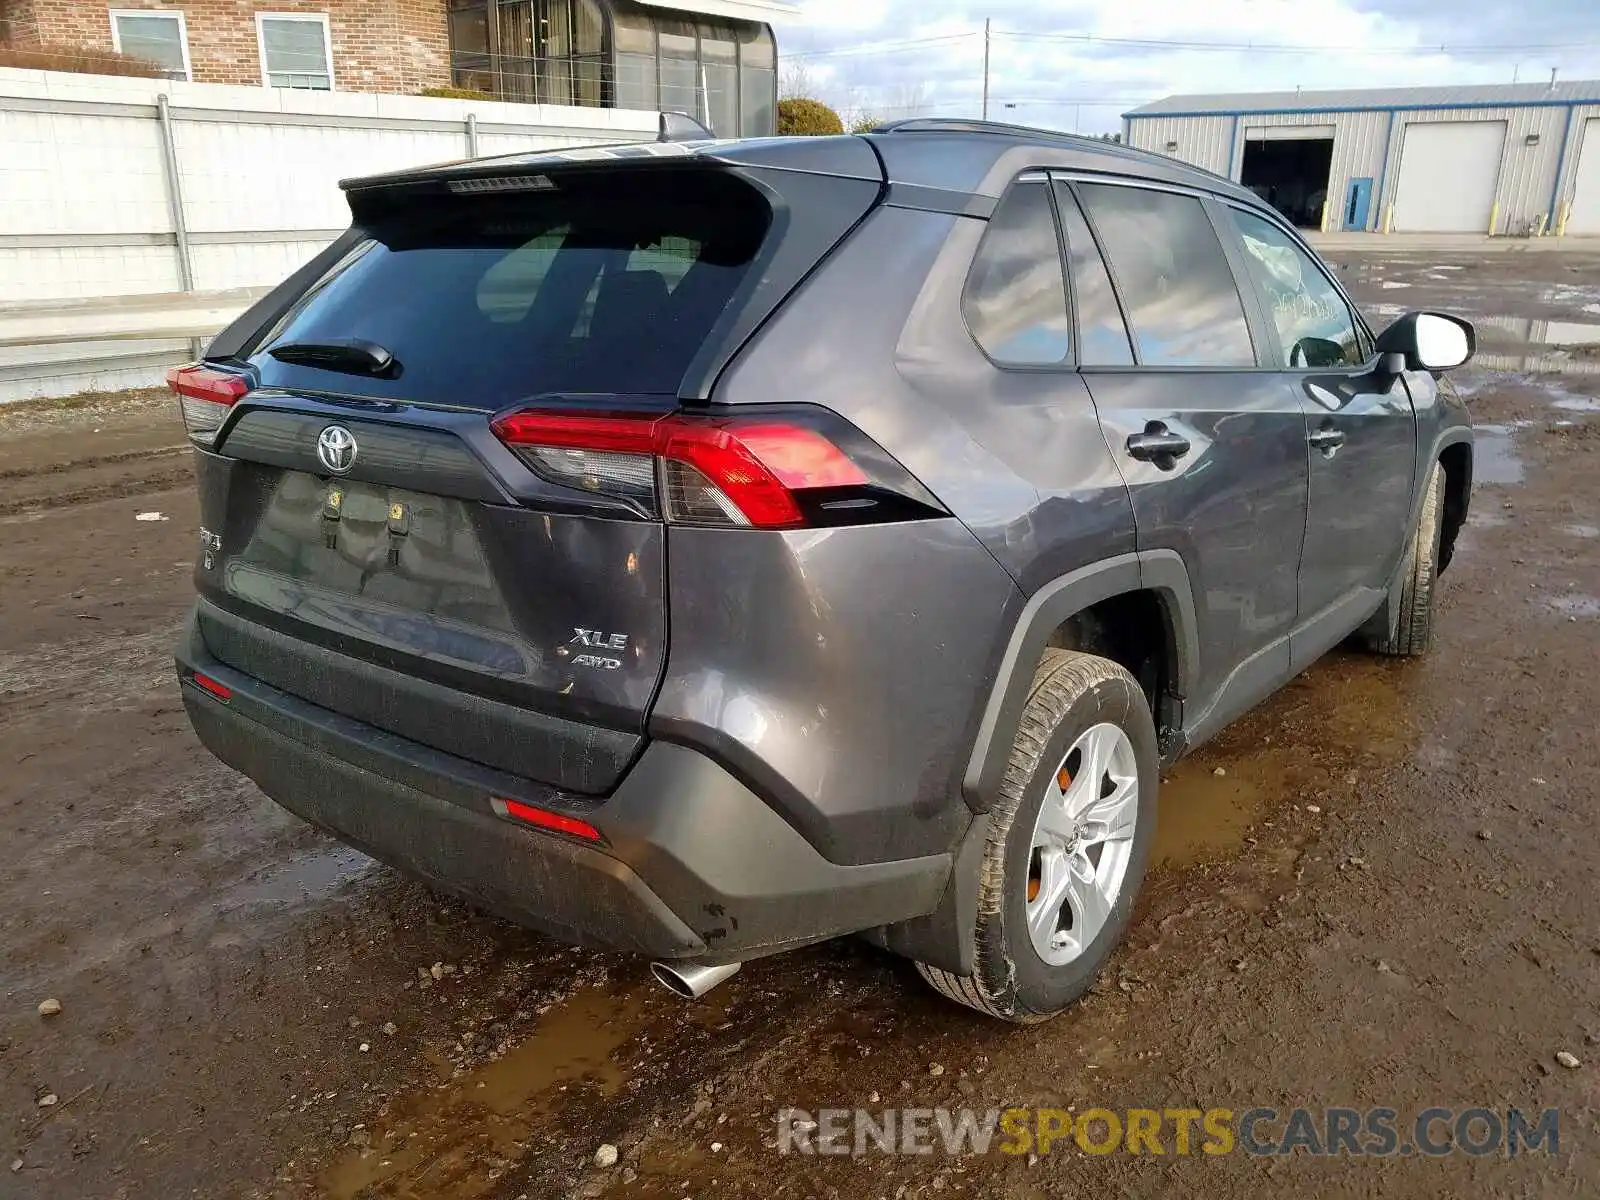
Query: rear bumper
x=695 y=866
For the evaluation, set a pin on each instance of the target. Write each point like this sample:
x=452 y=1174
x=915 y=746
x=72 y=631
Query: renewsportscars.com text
x=1334 y=1131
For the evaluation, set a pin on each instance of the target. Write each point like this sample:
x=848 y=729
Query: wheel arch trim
x=1454 y=517
x=1159 y=571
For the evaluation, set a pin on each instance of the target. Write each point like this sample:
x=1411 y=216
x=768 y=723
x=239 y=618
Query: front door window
x=1312 y=321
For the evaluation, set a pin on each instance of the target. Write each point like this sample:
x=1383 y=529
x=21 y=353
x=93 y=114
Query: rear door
x=1212 y=446
x=373 y=547
x=1360 y=428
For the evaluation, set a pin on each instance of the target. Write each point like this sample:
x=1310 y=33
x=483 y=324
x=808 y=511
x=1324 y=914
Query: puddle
x=1581 y=531
x=307 y=877
x=1570 y=403
x=1569 y=333
x=438 y=1142
x=1495 y=457
x=1565 y=293
x=1575 y=606
x=1302 y=745
x=1202 y=814
x=1539 y=347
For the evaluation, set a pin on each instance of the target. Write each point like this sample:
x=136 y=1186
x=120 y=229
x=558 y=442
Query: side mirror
x=1429 y=341
x=1314 y=352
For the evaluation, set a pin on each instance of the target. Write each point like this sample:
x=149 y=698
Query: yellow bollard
x=1494 y=216
x=1388 y=219
x=1561 y=225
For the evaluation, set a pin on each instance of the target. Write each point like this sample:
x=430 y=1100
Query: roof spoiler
x=681 y=127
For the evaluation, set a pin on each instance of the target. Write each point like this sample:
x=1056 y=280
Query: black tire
x=1412 y=632
x=1071 y=693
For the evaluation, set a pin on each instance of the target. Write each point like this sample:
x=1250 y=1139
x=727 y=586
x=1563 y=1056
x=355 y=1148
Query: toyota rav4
x=706 y=549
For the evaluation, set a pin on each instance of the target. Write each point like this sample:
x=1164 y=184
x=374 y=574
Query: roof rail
x=968 y=125
x=1034 y=134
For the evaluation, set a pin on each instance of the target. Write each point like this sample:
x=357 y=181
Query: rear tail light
x=768 y=470
x=205 y=395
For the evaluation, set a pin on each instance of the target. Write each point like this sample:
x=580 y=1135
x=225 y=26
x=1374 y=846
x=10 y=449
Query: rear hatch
x=371 y=544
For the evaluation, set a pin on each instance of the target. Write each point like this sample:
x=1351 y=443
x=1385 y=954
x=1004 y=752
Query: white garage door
x=1585 y=216
x=1448 y=172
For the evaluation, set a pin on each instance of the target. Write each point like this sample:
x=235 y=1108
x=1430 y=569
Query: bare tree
x=856 y=108
x=795 y=80
x=911 y=100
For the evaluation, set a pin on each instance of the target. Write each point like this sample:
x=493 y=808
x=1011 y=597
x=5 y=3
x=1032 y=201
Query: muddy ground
x=1379 y=889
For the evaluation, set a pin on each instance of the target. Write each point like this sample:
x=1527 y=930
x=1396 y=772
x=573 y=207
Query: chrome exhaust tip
x=690 y=982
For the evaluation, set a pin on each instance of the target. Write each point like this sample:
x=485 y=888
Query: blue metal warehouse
x=1512 y=159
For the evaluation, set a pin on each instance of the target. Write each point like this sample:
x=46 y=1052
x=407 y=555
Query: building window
x=617 y=53
x=758 y=82
x=295 y=50
x=470 y=63
x=538 y=51
x=680 y=67
x=158 y=37
x=638 y=84
x=719 y=79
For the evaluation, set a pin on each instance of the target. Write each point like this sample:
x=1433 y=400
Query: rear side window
x=1102 y=333
x=1015 y=301
x=1174 y=279
x=607 y=285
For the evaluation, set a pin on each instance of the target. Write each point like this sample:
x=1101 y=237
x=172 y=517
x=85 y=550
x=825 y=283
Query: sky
x=1059 y=63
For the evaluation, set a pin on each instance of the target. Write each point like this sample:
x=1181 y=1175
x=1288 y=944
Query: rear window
x=610 y=284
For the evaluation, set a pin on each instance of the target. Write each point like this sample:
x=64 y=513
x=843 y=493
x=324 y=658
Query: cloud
x=925 y=57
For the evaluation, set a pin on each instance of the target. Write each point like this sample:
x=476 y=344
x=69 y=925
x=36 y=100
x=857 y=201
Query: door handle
x=1326 y=440
x=1158 y=445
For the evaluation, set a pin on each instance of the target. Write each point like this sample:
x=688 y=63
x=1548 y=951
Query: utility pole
x=986 y=22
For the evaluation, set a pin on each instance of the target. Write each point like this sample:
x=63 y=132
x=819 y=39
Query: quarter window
x=156 y=37
x=295 y=52
x=1313 y=322
x=1174 y=279
x=1016 y=296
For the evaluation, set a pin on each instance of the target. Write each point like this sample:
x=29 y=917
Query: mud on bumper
x=694 y=867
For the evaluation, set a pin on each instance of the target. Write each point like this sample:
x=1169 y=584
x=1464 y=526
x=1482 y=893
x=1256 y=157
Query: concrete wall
x=87 y=209
x=1367 y=144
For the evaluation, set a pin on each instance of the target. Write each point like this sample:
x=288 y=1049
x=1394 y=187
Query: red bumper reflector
x=518 y=811
x=207 y=684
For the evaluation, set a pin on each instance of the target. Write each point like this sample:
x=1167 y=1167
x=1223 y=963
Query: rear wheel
x=1412 y=633
x=1069 y=838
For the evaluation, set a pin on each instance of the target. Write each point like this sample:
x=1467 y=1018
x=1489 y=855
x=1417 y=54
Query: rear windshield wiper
x=353 y=356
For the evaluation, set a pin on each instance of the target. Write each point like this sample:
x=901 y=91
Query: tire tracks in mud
x=29 y=489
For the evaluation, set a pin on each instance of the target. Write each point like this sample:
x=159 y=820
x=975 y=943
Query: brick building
x=714 y=58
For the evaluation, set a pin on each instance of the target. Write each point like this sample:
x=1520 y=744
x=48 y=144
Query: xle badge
x=595 y=639
x=210 y=547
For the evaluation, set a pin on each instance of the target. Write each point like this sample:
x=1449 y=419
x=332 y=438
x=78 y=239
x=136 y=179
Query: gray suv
x=706 y=549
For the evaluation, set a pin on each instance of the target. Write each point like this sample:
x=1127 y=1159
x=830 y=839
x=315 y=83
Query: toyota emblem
x=336 y=449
